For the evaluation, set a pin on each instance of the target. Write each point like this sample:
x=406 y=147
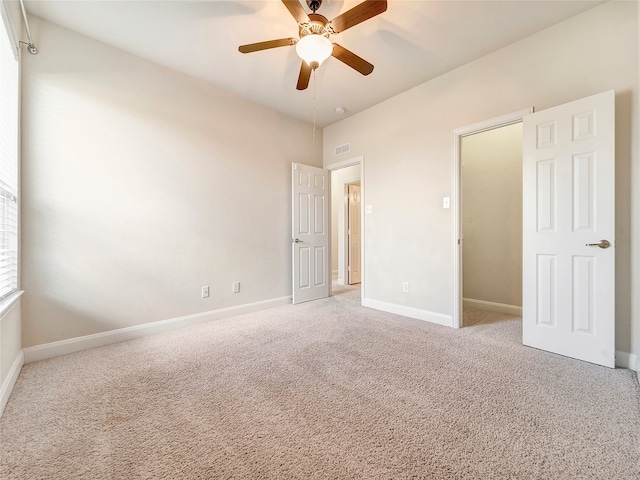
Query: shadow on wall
x=131 y=202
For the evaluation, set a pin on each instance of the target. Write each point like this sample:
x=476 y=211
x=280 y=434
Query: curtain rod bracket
x=31 y=48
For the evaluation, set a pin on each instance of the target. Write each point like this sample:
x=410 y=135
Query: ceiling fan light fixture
x=314 y=49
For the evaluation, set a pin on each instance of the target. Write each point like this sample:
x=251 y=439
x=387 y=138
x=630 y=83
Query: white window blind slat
x=9 y=90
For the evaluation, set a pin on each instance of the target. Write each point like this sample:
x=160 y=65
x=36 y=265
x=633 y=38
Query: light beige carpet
x=324 y=390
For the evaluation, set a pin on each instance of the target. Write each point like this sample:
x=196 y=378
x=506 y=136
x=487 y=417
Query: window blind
x=9 y=91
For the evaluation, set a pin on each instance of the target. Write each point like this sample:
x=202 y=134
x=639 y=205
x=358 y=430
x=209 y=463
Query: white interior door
x=310 y=236
x=355 y=235
x=568 y=230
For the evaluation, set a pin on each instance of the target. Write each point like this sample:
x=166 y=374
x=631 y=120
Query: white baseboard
x=340 y=281
x=627 y=360
x=492 y=306
x=10 y=381
x=410 y=312
x=72 y=345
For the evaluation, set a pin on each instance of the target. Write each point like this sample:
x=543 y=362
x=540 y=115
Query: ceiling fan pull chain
x=314 y=106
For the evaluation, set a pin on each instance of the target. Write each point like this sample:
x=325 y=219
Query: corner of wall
x=627 y=360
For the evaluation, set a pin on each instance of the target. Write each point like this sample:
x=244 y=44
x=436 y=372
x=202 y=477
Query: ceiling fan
x=314 y=45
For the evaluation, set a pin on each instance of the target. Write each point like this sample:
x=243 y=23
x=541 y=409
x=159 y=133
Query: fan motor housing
x=318 y=25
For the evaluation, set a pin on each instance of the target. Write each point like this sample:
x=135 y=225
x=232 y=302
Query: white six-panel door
x=568 y=209
x=310 y=236
x=355 y=235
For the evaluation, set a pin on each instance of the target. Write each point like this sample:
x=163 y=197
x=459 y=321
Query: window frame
x=9 y=298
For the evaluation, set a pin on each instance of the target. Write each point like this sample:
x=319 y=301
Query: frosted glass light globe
x=314 y=49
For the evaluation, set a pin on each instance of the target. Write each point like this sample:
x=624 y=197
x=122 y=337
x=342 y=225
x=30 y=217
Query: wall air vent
x=343 y=149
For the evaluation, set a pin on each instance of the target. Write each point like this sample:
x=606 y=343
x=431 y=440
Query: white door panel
x=568 y=203
x=310 y=223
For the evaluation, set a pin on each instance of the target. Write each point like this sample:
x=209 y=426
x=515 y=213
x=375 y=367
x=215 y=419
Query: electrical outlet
x=235 y=287
x=405 y=287
x=205 y=292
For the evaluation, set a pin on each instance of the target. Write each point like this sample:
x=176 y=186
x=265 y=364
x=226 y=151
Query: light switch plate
x=446 y=202
x=368 y=209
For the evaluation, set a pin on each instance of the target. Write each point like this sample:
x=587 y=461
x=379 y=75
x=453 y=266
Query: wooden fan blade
x=349 y=58
x=255 y=47
x=296 y=9
x=303 y=78
x=358 y=14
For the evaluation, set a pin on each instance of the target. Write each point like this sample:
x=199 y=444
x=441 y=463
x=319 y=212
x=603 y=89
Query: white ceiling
x=412 y=42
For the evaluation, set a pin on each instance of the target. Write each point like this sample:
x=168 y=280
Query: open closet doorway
x=488 y=223
x=491 y=224
x=346 y=223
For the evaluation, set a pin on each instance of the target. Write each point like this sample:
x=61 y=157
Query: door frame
x=359 y=160
x=456 y=174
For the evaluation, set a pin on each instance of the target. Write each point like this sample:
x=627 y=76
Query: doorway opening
x=353 y=236
x=347 y=225
x=491 y=224
x=487 y=223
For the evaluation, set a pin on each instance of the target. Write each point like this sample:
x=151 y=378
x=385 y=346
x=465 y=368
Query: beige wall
x=491 y=191
x=406 y=142
x=338 y=179
x=140 y=185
